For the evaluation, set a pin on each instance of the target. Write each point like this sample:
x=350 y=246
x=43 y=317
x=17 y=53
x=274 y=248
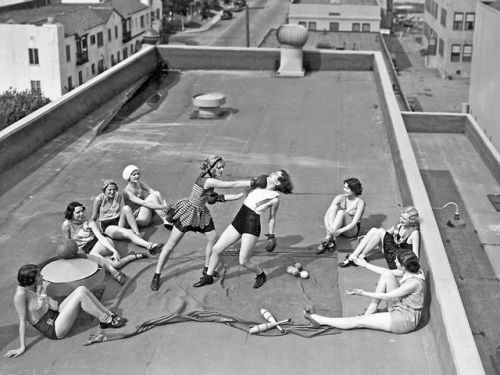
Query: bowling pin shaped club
x=270 y=318
x=266 y=326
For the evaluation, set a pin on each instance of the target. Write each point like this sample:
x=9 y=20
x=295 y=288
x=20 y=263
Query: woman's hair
x=409 y=260
x=285 y=183
x=107 y=183
x=71 y=209
x=209 y=163
x=413 y=216
x=27 y=274
x=354 y=184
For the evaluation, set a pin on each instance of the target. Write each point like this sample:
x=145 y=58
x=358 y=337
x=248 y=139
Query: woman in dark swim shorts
x=33 y=305
x=246 y=225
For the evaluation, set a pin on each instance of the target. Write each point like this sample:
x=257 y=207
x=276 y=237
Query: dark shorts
x=247 y=221
x=47 y=324
x=87 y=248
x=107 y=223
x=392 y=249
x=189 y=228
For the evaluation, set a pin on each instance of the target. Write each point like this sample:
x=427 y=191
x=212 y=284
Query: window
x=35 y=86
x=118 y=56
x=152 y=16
x=427 y=5
x=125 y=53
x=443 y=17
x=334 y=26
x=68 y=53
x=100 y=39
x=441 y=47
x=142 y=22
x=109 y=35
x=434 y=9
x=467 y=53
x=303 y=24
x=131 y=49
x=70 y=84
x=112 y=60
x=356 y=27
x=157 y=14
x=312 y=26
x=455 y=52
x=92 y=67
x=116 y=32
x=431 y=48
x=80 y=77
x=92 y=40
x=33 y=56
x=469 y=21
x=458 y=21
x=365 y=27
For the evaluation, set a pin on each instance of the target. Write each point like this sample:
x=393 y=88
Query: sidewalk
x=422 y=86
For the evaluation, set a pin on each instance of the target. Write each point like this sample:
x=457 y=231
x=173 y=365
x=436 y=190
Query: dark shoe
x=121 y=278
x=113 y=324
x=347 y=262
x=307 y=315
x=156 y=248
x=155 y=283
x=322 y=247
x=332 y=245
x=119 y=318
x=260 y=279
x=205 y=280
x=205 y=269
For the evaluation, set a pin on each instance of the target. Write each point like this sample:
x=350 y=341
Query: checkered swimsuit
x=192 y=212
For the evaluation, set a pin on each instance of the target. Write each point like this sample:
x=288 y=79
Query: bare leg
x=119 y=233
x=172 y=242
x=99 y=250
x=379 y=321
x=386 y=283
x=227 y=238
x=248 y=241
x=371 y=240
x=82 y=298
x=211 y=240
x=127 y=219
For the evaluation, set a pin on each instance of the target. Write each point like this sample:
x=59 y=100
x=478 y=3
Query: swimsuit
x=191 y=214
x=143 y=194
x=406 y=314
x=83 y=235
x=46 y=324
x=351 y=211
x=392 y=244
x=247 y=219
x=109 y=212
x=44 y=317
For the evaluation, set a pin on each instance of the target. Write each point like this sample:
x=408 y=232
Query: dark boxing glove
x=271 y=242
x=213 y=198
x=260 y=181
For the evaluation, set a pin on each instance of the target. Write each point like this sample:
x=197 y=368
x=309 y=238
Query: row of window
x=461 y=20
x=334 y=26
x=459 y=52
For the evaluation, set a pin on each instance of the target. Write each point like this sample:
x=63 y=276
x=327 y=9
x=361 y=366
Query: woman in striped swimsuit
x=192 y=215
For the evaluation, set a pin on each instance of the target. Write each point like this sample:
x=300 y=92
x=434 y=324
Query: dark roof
x=126 y=7
x=493 y=4
x=337 y=2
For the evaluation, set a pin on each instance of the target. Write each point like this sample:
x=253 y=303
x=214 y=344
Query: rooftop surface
x=321 y=128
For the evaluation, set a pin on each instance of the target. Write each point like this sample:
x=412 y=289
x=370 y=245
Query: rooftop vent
x=209 y=105
x=292 y=38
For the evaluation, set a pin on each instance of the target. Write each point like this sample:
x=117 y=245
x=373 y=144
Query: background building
x=57 y=47
x=485 y=76
x=336 y=15
x=449 y=29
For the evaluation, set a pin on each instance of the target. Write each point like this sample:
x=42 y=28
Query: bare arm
x=380 y=270
x=96 y=208
x=220 y=184
x=233 y=197
x=141 y=202
x=273 y=209
x=404 y=290
x=414 y=240
x=20 y=304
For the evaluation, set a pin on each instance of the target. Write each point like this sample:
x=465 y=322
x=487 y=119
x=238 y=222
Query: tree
x=14 y=105
x=178 y=7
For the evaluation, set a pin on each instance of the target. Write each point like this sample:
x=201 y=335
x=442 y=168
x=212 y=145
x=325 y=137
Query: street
x=263 y=16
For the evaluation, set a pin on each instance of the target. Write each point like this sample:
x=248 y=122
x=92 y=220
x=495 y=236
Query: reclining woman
x=246 y=225
x=404 y=235
x=192 y=215
x=344 y=215
x=114 y=217
x=142 y=199
x=33 y=305
x=403 y=316
x=90 y=240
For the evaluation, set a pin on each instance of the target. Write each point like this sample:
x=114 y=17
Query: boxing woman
x=246 y=225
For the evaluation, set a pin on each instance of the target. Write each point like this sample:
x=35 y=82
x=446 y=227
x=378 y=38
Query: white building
x=58 y=47
x=484 y=89
x=336 y=15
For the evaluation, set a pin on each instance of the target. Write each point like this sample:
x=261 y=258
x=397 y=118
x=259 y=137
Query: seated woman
x=142 y=199
x=344 y=215
x=90 y=240
x=403 y=316
x=191 y=214
x=33 y=305
x=114 y=217
x=405 y=235
x=246 y=225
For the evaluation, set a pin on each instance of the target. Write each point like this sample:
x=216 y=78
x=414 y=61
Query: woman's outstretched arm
x=20 y=304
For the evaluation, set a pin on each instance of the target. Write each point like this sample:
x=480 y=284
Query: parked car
x=226 y=15
x=240 y=3
x=236 y=8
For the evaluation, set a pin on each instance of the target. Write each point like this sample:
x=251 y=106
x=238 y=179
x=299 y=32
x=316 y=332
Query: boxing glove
x=259 y=182
x=212 y=197
x=271 y=242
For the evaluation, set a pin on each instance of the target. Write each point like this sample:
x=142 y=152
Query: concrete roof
x=338 y=2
